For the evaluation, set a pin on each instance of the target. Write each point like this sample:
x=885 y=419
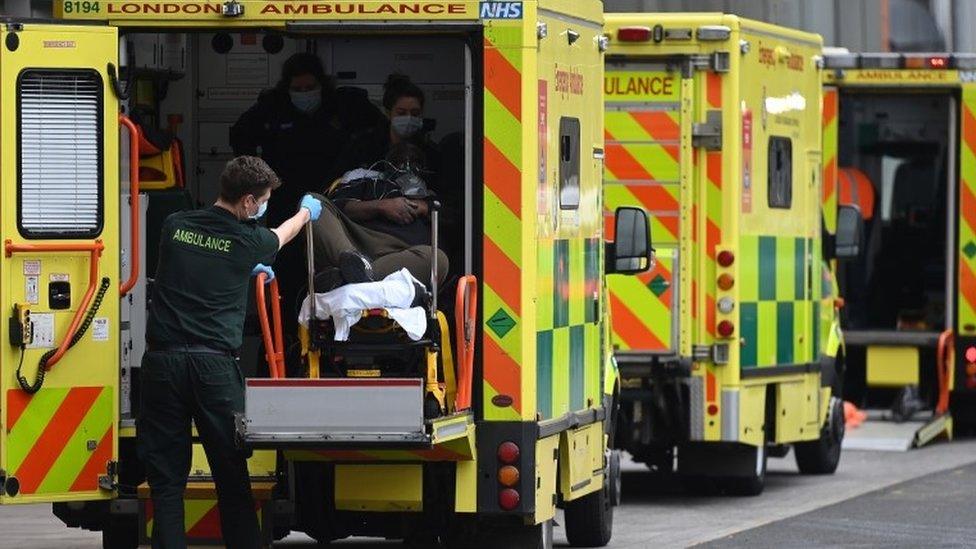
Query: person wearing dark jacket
x=298 y=127
x=404 y=123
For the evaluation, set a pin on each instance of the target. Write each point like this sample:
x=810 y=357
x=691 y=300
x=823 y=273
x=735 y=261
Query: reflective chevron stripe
x=967 y=219
x=502 y=244
x=829 y=183
x=59 y=440
x=642 y=170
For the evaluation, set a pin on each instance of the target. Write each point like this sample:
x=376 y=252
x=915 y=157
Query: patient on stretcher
x=376 y=222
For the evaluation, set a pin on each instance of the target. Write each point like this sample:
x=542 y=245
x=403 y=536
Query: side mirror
x=850 y=232
x=631 y=251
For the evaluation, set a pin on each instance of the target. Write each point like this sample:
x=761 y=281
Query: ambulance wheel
x=753 y=482
x=616 y=478
x=821 y=456
x=120 y=532
x=589 y=519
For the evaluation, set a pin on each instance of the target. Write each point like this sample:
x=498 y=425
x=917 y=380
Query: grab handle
x=944 y=369
x=274 y=346
x=465 y=318
x=134 y=209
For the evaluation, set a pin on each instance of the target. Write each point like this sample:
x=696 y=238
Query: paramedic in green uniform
x=190 y=370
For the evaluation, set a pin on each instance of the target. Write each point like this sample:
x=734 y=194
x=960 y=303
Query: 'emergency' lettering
x=202 y=241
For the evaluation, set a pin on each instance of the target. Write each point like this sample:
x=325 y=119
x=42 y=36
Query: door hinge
x=716 y=62
x=708 y=134
x=701 y=353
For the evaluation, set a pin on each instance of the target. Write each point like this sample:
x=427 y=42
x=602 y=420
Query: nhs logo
x=501 y=10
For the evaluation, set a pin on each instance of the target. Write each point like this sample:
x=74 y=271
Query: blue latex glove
x=262 y=268
x=313 y=205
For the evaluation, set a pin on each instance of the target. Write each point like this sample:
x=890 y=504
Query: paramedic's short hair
x=246 y=175
x=400 y=85
x=304 y=63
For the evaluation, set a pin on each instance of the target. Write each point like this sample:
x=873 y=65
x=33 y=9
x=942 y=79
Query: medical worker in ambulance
x=298 y=127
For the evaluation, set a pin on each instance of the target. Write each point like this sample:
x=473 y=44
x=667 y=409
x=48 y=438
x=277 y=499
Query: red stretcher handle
x=465 y=316
x=944 y=369
x=274 y=346
x=134 y=210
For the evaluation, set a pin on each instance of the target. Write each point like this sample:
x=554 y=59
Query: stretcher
x=378 y=390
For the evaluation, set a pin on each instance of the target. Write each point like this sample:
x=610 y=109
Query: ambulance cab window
x=780 y=172
x=59 y=148
x=569 y=163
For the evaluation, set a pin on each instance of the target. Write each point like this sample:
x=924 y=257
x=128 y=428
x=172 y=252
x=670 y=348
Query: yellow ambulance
x=728 y=347
x=517 y=85
x=899 y=141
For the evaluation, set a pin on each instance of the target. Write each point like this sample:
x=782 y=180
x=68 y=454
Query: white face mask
x=407 y=126
x=263 y=207
x=306 y=101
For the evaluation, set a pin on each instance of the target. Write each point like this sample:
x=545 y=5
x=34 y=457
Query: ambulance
x=117 y=113
x=729 y=348
x=899 y=142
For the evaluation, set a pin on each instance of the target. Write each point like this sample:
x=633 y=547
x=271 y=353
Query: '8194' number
x=80 y=7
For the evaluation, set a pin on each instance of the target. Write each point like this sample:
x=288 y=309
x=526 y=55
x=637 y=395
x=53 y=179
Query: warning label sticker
x=100 y=329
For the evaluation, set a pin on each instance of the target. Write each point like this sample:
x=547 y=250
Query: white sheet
x=345 y=305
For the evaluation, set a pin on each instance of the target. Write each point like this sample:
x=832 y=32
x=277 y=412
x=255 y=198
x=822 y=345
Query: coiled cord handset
x=32 y=388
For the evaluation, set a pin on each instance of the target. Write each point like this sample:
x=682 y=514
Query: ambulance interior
x=896 y=162
x=194 y=86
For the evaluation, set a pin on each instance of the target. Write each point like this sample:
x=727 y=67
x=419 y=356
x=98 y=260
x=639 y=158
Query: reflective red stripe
x=59 y=430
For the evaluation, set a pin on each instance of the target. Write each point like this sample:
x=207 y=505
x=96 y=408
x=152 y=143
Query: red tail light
x=508 y=499
x=725 y=328
x=725 y=258
x=634 y=34
x=508 y=452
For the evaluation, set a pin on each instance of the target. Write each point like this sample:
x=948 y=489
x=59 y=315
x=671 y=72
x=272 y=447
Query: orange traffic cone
x=852 y=416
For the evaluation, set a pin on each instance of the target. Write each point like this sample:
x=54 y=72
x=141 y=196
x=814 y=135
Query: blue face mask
x=261 y=209
x=307 y=101
x=407 y=126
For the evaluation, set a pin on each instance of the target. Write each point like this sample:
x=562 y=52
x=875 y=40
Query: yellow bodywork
x=542 y=286
x=761 y=84
x=56 y=445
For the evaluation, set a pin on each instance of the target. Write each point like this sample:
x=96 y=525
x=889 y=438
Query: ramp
x=882 y=433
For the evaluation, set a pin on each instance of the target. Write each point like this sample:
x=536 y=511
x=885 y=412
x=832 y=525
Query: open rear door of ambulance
x=59 y=273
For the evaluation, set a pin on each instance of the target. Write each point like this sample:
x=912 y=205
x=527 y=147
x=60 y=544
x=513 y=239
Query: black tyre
x=589 y=519
x=121 y=532
x=751 y=484
x=821 y=456
x=616 y=478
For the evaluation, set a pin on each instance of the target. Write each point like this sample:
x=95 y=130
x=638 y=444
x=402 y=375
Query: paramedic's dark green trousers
x=209 y=389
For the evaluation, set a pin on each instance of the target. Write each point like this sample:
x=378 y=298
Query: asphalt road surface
x=919 y=498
